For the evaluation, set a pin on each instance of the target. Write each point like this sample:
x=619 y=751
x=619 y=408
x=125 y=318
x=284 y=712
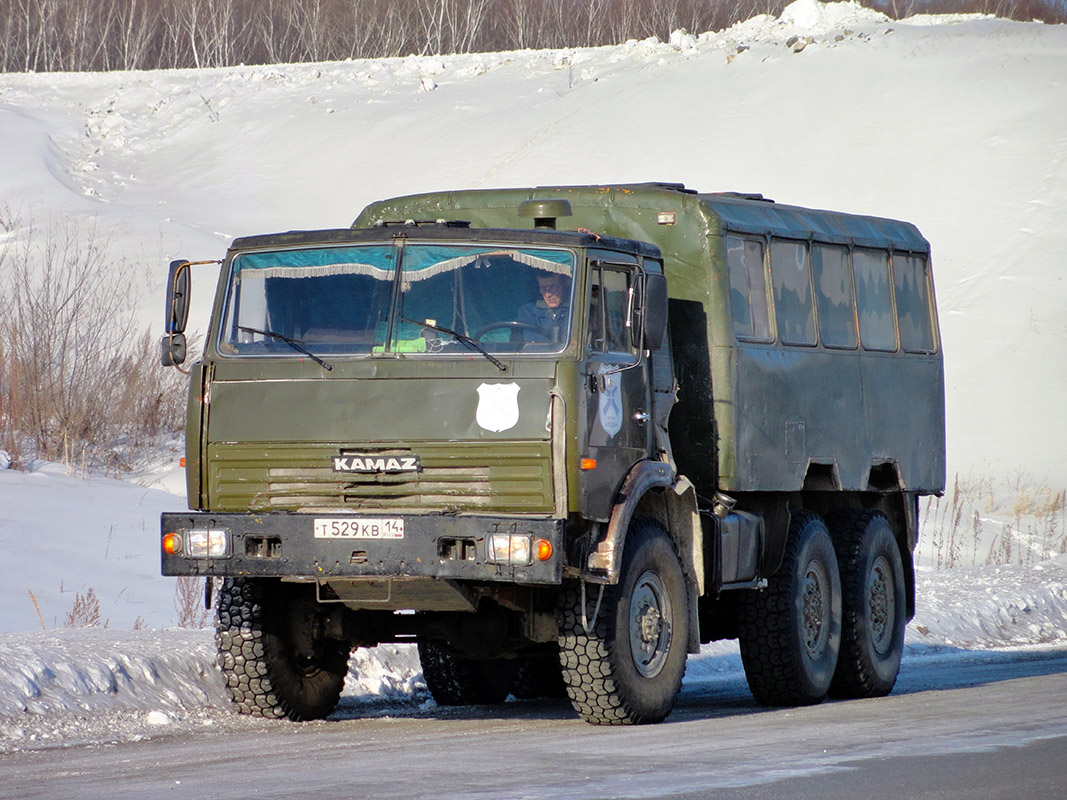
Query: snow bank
x=813 y=17
x=993 y=606
x=92 y=670
x=71 y=686
x=63 y=536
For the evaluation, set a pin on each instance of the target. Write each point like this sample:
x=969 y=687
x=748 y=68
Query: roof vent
x=544 y=212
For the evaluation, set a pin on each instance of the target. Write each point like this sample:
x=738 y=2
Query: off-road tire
x=264 y=676
x=627 y=669
x=790 y=632
x=537 y=677
x=457 y=681
x=873 y=604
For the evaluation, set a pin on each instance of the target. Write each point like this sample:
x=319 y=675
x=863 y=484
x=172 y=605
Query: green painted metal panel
x=751 y=417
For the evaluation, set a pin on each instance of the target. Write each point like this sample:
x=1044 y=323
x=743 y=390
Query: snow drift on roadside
x=71 y=686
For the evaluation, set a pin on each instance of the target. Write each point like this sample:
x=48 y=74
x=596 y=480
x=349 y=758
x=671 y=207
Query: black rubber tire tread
x=860 y=536
x=537 y=677
x=778 y=668
x=262 y=676
x=602 y=681
x=457 y=681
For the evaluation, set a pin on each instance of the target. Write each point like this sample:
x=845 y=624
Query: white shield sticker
x=498 y=406
x=610 y=399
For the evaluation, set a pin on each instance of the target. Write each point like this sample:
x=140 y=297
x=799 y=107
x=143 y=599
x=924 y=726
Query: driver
x=551 y=310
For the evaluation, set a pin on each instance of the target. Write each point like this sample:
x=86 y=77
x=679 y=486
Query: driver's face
x=552 y=290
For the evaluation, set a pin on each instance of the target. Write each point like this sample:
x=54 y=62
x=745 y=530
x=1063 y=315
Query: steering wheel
x=513 y=325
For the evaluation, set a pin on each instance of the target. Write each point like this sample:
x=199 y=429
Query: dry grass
x=85 y=613
x=188 y=602
x=980 y=521
x=78 y=384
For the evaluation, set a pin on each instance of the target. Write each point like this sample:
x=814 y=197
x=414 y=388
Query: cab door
x=615 y=415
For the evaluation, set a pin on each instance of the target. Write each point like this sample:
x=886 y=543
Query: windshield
x=448 y=299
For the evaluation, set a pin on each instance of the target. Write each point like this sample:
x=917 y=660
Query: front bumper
x=433 y=546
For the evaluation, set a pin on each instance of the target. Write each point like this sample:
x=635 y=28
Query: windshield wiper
x=296 y=344
x=461 y=337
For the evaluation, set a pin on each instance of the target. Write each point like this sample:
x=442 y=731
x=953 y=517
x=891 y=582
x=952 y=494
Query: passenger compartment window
x=833 y=293
x=791 y=280
x=873 y=300
x=911 y=279
x=748 y=289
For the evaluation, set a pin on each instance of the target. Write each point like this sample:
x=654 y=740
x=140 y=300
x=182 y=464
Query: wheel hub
x=813 y=611
x=880 y=604
x=649 y=623
x=650 y=629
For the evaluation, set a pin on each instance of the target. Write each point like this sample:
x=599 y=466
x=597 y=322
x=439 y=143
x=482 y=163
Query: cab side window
x=609 y=310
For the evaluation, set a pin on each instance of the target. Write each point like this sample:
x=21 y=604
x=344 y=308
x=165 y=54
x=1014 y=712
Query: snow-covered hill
x=958 y=124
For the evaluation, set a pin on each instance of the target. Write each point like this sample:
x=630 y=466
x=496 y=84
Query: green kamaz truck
x=558 y=437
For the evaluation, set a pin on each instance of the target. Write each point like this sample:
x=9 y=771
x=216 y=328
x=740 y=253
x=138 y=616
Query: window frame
x=851 y=279
x=805 y=245
x=596 y=269
x=768 y=300
x=892 y=310
x=931 y=315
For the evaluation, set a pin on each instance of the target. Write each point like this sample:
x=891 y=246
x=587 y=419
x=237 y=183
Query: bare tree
x=76 y=380
x=44 y=35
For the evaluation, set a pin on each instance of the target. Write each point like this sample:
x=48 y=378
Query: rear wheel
x=627 y=667
x=457 y=681
x=872 y=581
x=538 y=676
x=790 y=632
x=273 y=653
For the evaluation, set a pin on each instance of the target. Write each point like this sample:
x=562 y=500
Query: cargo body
x=577 y=430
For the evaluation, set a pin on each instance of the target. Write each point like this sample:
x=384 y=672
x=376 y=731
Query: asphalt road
x=994 y=727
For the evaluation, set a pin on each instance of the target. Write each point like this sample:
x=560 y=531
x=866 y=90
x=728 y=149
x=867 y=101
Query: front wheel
x=875 y=612
x=275 y=658
x=626 y=667
x=790 y=632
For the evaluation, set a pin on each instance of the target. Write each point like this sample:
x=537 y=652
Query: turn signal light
x=172 y=544
x=181 y=462
x=544 y=549
x=588 y=463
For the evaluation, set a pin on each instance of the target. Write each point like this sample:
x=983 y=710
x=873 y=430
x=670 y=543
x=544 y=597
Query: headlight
x=508 y=548
x=211 y=543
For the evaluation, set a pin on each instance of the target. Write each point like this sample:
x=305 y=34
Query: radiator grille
x=499 y=477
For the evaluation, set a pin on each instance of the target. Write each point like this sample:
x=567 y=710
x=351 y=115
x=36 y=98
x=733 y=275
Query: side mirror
x=173 y=349
x=176 y=313
x=655 y=311
x=178 y=284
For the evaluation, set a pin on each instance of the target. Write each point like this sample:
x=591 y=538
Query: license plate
x=361 y=528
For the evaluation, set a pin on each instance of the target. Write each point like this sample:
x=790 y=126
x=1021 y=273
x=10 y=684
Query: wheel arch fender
x=653 y=489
